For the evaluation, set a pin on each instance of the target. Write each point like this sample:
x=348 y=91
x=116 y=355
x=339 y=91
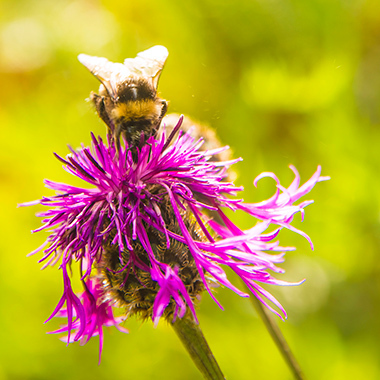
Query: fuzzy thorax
x=135 y=110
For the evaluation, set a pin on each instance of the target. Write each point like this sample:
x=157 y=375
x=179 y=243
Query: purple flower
x=150 y=234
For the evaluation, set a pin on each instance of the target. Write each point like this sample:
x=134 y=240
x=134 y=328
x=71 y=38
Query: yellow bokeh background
x=283 y=82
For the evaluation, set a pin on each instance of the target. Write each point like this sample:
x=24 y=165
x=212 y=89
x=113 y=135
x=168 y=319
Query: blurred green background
x=282 y=81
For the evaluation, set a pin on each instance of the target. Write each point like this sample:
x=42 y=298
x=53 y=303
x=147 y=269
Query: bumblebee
x=127 y=101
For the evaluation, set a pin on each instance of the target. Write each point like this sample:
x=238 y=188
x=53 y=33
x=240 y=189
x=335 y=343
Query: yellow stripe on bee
x=137 y=109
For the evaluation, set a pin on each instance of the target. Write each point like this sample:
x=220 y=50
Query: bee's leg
x=116 y=137
x=163 y=109
x=98 y=101
x=157 y=122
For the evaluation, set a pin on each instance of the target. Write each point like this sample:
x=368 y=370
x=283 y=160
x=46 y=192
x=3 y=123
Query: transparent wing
x=102 y=68
x=149 y=63
x=109 y=73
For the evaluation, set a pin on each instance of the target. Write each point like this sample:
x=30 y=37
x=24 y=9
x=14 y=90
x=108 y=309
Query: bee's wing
x=149 y=63
x=109 y=73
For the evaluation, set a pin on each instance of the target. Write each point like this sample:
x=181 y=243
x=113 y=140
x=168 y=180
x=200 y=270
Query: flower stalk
x=278 y=339
x=196 y=345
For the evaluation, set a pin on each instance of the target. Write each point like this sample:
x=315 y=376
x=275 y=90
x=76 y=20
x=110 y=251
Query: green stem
x=278 y=338
x=196 y=345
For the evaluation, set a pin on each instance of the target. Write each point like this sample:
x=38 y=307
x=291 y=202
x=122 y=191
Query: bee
x=127 y=101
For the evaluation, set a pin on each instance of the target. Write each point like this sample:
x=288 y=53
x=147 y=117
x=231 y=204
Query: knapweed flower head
x=151 y=232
